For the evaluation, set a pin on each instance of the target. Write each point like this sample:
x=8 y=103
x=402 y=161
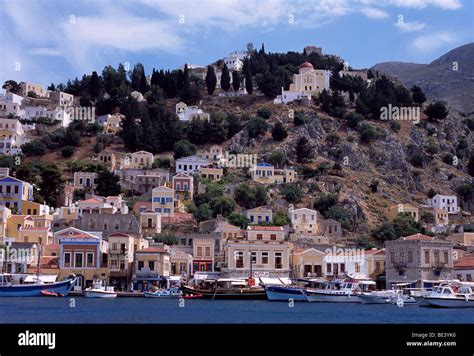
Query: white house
x=190 y=164
x=446 y=202
x=304 y=220
x=10 y=103
x=288 y=96
x=188 y=113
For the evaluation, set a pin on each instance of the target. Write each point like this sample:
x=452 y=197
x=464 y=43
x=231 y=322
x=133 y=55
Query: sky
x=45 y=41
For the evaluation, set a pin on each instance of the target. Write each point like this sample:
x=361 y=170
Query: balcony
x=399 y=265
x=438 y=265
x=118 y=251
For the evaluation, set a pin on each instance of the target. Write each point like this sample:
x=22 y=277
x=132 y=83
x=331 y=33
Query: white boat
x=285 y=293
x=99 y=291
x=335 y=292
x=378 y=297
x=451 y=294
x=164 y=293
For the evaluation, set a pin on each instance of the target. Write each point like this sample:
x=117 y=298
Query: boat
x=164 y=293
x=451 y=294
x=8 y=288
x=285 y=293
x=377 y=297
x=338 y=291
x=226 y=288
x=192 y=296
x=100 y=291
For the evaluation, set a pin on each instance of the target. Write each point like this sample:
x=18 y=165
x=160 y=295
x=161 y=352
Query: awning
x=371 y=283
x=270 y=281
x=285 y=280
x=45 y=278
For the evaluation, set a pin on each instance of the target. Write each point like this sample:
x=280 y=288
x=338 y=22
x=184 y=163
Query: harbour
x=202 y=311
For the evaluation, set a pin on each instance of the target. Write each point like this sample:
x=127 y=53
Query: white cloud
x=429 y=43
x=374 y=13
x=418 y=4
x=44 y=51
x=410 y=26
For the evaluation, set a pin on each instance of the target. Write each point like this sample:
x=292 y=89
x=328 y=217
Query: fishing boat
x=8 y=288
x=451 y=294
x=100 y=291
x=171 y=293
x=226 y=288
x=339 y=291
x=285 y=293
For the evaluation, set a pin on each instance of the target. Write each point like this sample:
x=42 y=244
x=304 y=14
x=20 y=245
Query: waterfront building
x=151 y=264
x=181 y=263
x=203 y=253
x=464 y=268
x=419 y=260
x=462 y=238
x=307 y=262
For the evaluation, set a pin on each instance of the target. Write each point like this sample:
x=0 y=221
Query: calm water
x=147 y=310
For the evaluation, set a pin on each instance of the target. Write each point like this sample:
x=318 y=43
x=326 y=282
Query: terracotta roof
x=90 y=200
x=35 y=228
x=265 y=228
x=465 y=262
x=152 y=250
x=306 y=65
x=418 y=237
x=119 y=234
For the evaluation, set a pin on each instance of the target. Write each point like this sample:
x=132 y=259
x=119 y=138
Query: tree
x=183 y=148
x=277 y=158
x=279 y=132
x=236 y=80
x=248 y=76
x=256 y=127
x=324 y=201
x=211 y=80
x=385 y=232
x=303 y=150
x=244 y=196
x=108 y=184
x=280 y=219
x=238 y=220
x=292 y=194
x=51 y=184
x=405 y=225
x=340 y=214
x=67 y=151
x=33 y=148
x=12 y=86
x=269 y=84
x=225 y=78
x=299 y=118
x=94 y=85
x=418 y=95
x=168 y=238
x=436 y=111
x=202 y=212
x=52 y=87
x=367 y=132
x=353 y=119
x=222 y=205
x=260 y=195
x=470 y=165
x=264 y=113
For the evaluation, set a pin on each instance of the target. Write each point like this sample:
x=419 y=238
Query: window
x=199 y=251
x=259 y=236
x=377 y=266
x=78 y=260
x=16 y=189
x=343 y=267
x=67 y=259
x=427 y=256
x=253 y=257
x=151 y=265
x=357 y=267
x=208 y=251
x=278 y=260
x=90 y=259
x=114 y=246
x=410 y=256
x=273 y=237
x=446 y=256
x=329 y=268
x=392 y=256
x=264 y=258
x=239 y=259
x=141 y=264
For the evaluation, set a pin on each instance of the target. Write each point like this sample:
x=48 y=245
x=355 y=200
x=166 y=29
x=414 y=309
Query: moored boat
x=338 y=291
x=99 y=291
x=451 y=294
x=9 y=289
x=171 y=293
x=226 y=288
x=285 y=293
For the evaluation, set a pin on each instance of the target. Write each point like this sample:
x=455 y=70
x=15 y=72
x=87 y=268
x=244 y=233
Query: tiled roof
x=152 y=250
x=35 y=228
x=265 y=228
x=465 y=262
x=90 y=200
x=418 y=237
x=374 y=252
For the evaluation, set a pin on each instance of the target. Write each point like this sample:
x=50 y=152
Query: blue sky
x=46 y=41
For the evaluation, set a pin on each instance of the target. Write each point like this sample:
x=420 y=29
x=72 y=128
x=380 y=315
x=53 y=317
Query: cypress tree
x=211 y=80
x=225 y=78
x=235 y=80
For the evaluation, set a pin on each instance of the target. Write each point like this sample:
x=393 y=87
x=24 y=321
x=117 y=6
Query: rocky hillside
x=439 y=79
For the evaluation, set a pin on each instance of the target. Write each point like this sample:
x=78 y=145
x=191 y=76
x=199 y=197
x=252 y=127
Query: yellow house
x=163 y=201
x=140 y=159
x=108 y=159
x=307 y=263
x=150 y=222
x=86 y=181
x=441 y=217
x=38 y=235
x=392 y=211
x=211 y=172
x=113 y=124
x=150 y=264
x=34 y=208
x=5 y=214
x=15 y=222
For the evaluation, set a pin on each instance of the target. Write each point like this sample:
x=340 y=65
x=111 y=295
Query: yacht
x=10 y=288
x=338 y=291
x=100 y=291
x=285 y=293
x=451 y=294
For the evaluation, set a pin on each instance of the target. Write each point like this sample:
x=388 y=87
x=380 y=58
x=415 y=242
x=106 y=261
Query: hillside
x=438 y=79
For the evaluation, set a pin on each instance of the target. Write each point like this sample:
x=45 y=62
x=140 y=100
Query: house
x=188 y=113
x=5 y=214
x=61 y=98
x=183 y=185
x=108 y=223
x=143 y=181
x=211 y=172
x=307 y=262
x=163 y=201
x=446 y=202
x=190 y=164
x=233 y=63
x=392 y=211
x=265 y=173
x=86 y=181
x=462 y=238
x=419 y=260
x=287 y=96
x=26 y=88
x=150 y=222
x=181 y=263
x=464 y=268
x=34 y=208
x=121 y=251
x=111 y=123
x=259 y=215
x=263 y=253
x=140 y=159
x=304 y=221
x=12 y=136
x=13 y=192
x=10 y=103
x=150 y=265
x=108 y=159
x=83 y=254
x=369 y=263
x=214 y=153
x=203 y=253
x=38 y=235
x=329 y=228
